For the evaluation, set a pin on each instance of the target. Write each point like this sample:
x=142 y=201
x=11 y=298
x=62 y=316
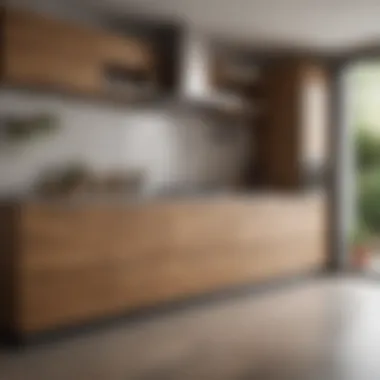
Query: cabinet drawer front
x=54 y=298
x=63 y=237
x=63 y=295
x=39 y=217
x=113 y=260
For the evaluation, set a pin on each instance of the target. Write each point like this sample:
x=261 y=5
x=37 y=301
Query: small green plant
x=361 y=235
x=369 y=200
x=367 y=146
x=19 y=129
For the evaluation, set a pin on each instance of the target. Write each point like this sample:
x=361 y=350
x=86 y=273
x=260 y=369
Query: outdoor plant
x=369 y=200
x=361 y=235
x=360 y=246
x=367 y=146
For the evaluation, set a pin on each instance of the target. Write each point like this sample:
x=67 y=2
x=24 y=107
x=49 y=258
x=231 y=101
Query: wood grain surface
x=79 y=262
x=42 y=52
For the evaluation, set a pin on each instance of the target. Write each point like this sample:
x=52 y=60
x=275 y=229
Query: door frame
x=341 y=154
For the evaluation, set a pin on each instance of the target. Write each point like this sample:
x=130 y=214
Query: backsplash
x=171 y=148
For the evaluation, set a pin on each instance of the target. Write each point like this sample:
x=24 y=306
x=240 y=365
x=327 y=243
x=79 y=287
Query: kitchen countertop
x=162 y=198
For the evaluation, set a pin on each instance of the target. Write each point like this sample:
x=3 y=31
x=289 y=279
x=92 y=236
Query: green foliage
x=361 y=235
x=367 y=146
x=19 y=129
x=369 y=199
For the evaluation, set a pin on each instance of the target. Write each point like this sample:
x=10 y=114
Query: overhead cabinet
x=45 y=53
x=292 y=147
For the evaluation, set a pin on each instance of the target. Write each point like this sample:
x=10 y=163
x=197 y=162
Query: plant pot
x=360 y=257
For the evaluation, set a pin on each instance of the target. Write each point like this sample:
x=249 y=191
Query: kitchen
x=149 y=166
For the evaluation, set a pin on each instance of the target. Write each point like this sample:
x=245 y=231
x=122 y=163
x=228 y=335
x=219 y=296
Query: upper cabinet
x=237 y=73
x=41 y=52
x=130 y=52
x=292 y=149
x=238 y=76
x=44 y=53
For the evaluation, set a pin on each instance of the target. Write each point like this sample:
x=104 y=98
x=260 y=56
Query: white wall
x=168 y=147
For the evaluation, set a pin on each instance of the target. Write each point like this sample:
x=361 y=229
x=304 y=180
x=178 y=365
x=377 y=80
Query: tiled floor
x=323 y=329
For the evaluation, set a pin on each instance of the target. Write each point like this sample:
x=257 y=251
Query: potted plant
x=360 y=250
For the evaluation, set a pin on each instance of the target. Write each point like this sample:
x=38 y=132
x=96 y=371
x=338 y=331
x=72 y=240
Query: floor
x=321 y=329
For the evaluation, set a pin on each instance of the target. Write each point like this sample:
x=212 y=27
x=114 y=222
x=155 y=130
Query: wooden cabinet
x=126 y=52
x=69 y=264
x=292 y=140
x=236 y=76
x=46 y=70
x=44 y=53
x=40 y=52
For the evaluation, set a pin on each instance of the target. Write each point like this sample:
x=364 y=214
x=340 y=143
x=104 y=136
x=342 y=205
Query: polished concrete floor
x=320 y=329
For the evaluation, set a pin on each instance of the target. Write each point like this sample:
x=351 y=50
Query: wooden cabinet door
x=79 y=263
x=46 y=53
x=126 y=52
x=42 y=52
x=283 y=159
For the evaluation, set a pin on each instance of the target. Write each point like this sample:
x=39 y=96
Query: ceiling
x=311 y=24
